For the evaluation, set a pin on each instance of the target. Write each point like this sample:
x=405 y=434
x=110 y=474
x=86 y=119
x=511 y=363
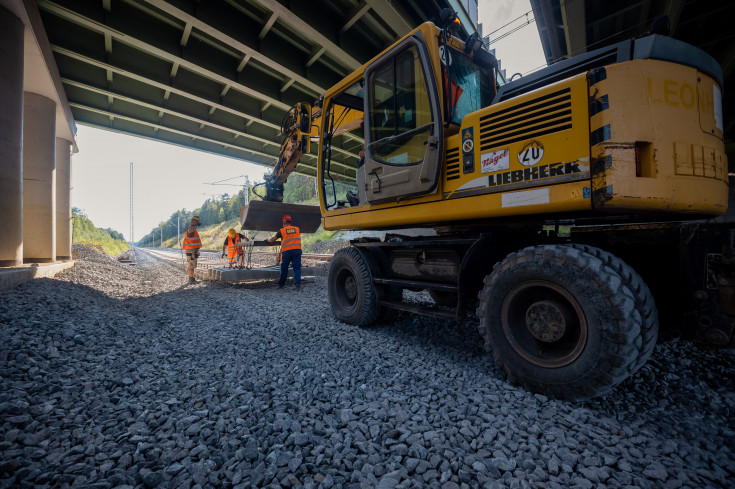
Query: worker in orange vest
x=233 y=247
x=191 y=245
x=290 y=237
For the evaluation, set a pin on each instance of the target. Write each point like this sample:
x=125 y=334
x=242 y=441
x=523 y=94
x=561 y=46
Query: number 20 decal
x=531 y=154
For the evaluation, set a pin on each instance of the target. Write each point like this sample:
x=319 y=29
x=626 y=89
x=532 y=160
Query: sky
x=165 y=178
x=168 y=178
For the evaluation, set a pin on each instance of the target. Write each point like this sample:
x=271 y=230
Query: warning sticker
x=495 y=161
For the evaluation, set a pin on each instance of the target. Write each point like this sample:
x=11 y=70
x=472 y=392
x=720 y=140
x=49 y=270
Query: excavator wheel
x=352 y=296
x=644 y=303
x=390 y=292
x=560 y=322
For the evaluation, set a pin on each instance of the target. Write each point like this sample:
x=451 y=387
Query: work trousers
x=288 y=257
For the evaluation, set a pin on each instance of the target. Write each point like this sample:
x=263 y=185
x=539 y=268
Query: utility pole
x=178 y=226
x=132 y=238
x=161 y=236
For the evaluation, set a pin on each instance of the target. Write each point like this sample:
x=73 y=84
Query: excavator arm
x=296 y=129
x=265 y=214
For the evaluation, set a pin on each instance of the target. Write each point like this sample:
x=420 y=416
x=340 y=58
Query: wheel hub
x=544 y=323
x=545 y=320
x=350 y=288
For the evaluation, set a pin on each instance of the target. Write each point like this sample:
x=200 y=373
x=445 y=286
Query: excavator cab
x=385 y=127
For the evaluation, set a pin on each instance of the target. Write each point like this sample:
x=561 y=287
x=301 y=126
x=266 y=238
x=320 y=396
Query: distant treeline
x=226 y=207
x=85 y=232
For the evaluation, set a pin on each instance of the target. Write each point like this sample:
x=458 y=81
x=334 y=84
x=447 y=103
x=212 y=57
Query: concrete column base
x=28 y=260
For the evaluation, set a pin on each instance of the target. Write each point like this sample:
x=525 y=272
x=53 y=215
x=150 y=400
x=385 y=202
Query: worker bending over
x=290 y=237
x=191 y=246
x=233 y=248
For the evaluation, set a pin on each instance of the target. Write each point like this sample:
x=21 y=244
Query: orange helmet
x=286 y=218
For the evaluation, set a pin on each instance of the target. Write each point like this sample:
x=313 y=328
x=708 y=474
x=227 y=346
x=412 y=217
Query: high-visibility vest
x=232 y=250
x=191 y=239
x=290 y=238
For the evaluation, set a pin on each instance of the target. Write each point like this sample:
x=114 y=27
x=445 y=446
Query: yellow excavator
x=572 y=211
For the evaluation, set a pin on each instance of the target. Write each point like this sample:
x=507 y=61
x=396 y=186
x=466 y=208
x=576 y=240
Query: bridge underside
x=571 y=28
x=216 y=76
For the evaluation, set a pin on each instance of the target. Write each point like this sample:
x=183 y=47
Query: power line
x=528 y=21
x=218 y=182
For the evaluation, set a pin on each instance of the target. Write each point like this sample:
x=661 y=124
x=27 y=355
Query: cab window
x=343 y=143
x=470 y=86
x=400 y=114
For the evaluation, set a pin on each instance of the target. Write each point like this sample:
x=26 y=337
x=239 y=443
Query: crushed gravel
x=121 y=376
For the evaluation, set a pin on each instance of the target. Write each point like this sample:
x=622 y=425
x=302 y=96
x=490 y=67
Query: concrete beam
x=165 y=87
x=557 y=52
x=317 y=54
x=354 y=17
x=243 y=62
x=160 y=127
x=136 y=43
x=390 y=16
x=189 y=134
x=166 y=110
x=309 y=32
x=267 y=27
x=286 y=85
x=247 y=51
x=576 y=31
x=186 y=34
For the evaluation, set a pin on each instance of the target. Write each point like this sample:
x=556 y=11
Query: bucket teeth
x=262 y=215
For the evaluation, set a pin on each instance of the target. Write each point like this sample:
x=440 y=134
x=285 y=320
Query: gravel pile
x=120 y=376
x=324 y=247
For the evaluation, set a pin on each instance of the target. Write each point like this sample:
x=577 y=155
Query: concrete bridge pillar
x=39 y=179
x=11 y=138
x=63 y=199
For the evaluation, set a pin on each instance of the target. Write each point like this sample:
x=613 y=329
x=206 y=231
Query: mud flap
x=262 y=215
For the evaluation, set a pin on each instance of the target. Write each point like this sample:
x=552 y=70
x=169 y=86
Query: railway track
x=213 y=258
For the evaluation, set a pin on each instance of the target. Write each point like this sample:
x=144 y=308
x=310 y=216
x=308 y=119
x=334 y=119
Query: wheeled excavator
x=576 y=214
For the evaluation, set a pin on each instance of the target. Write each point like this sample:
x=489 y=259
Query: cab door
x=403 y=129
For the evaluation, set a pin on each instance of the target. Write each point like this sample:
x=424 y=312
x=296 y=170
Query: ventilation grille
x=543 y=115
x=452 y=163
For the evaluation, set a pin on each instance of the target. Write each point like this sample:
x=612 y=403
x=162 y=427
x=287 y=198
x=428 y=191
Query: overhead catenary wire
x=528 y=22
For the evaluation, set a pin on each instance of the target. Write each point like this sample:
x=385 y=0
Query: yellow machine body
x=639 y=137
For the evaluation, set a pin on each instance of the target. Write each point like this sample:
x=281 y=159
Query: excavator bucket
x=261 y=215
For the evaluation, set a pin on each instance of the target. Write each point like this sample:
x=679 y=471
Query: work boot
x=298 y=286
x=192 y=280
x=280 y=286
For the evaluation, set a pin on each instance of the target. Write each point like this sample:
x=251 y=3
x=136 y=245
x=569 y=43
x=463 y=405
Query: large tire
x=560 y=322
x=393 y=293
x=644 y=302
x=352 y=296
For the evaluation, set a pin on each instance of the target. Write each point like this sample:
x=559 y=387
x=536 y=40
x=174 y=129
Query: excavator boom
x=266 y=214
